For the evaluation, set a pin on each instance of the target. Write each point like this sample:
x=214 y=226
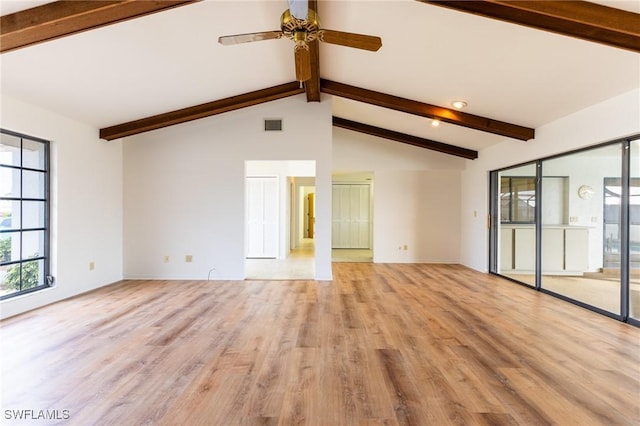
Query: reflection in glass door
x=579 y=208
x=516 y=240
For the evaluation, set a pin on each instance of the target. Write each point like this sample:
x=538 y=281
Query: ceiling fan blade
x=246 y=38
x=358 y=41
x=299 y=9
x=303 y=64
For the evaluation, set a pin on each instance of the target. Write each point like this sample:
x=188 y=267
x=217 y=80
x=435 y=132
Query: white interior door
x=262 y=217
x=351 y=218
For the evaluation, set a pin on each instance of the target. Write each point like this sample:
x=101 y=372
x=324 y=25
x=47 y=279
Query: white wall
x=420 y=210
x=86 y=207
x=612 y=119
x=184 y=188
x=416 y=197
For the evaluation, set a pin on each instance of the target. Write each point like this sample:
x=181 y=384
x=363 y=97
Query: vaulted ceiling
x=162 y=65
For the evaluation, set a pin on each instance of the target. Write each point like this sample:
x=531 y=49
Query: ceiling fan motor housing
x=301 y=31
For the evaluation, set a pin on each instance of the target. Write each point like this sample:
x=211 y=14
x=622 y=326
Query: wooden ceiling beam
x=405 y=138
x=580 y=19
x=425 y=110
x=312 y=86
x=200 y=111
x=62 y=18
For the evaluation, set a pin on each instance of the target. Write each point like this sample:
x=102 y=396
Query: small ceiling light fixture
x=459 y=104
x=435 y=122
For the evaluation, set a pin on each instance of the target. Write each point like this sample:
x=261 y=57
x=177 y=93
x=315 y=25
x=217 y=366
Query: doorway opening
x=303 y=228
x=278 y=222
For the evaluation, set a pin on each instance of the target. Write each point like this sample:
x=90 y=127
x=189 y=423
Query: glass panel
x=33 y=154
x=517 y=234
x=9 y=150
x=9 y=247
x=9 y=279
x=9 y=215
x=612 y=204
x=32 y=184
x=634 y=232
x=32 y=274
x=32 y=214
x=505 y=199
x=580 y=226
x=32 y=244
x=524 y=200
x=9 y=182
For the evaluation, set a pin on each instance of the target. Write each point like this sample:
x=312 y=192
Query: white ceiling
x=171 y=60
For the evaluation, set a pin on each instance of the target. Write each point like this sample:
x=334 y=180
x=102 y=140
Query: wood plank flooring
x=381 y=344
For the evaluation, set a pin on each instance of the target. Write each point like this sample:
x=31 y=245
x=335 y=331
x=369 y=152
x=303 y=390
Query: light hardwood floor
x=380 y=344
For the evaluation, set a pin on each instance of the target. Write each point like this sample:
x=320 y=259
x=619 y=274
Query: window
x=612 y=203
x=517 y=199
x=24 y=214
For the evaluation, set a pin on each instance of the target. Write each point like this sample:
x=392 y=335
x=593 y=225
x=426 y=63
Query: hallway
x=300 y=263
x=298 y=266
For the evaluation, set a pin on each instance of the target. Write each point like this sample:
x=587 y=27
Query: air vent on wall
x=272 y=125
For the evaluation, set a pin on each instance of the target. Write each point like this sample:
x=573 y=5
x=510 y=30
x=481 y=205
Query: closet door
x=262 y=217
x=351 y=216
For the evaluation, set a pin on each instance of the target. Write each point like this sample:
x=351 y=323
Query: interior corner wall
x=184 y=188
x=86 y=204
x=609 y=120
x=416 y=200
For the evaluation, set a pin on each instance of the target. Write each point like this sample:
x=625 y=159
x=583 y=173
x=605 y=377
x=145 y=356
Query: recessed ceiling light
x=435 y=122
x=459 y=104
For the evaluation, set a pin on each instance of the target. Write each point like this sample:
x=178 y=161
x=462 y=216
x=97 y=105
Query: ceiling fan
x=300 y=24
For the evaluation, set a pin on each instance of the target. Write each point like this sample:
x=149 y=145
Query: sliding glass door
x=517 y=217
x=634 y=230
x=569 y=225
x=581 y=227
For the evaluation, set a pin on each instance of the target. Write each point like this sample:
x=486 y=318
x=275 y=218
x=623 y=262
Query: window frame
x=513 y=199
x=47 y=280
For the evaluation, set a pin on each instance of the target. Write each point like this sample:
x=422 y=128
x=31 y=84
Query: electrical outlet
x=92 y=266
x=405 y=247
x=166 y=259
x=188 y=258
